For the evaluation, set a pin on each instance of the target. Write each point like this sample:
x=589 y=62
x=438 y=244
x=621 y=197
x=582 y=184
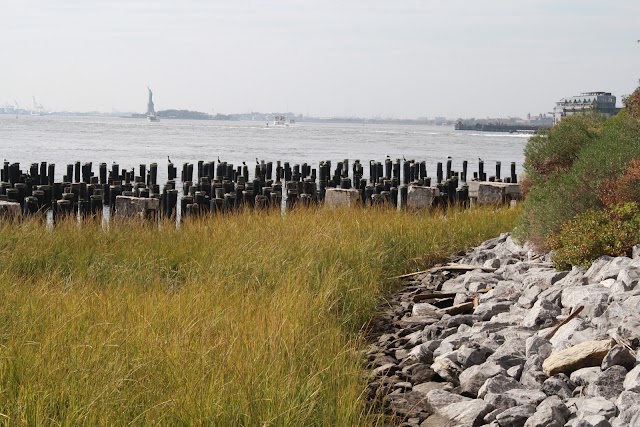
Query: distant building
x=602 y=102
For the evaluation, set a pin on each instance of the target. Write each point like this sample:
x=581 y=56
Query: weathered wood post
x=498 y=167
x=514 y=177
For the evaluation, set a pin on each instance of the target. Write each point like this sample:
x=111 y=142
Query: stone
x=420 y=197
x=543 y=280
x=525 y=396
x=595 y=406
x=589 y=353
x=609 y=383
x=509 y=354
x=487 y=310
x=339 y=197
x=492 y=193
x=437 y=399
x=136 y=207
x=516 y=416
x=407 y=404
x=632 y=380
x=387 y=369
x=473 y=378
x=500 y=400
x=538 y=345
x=585 y=376
x=542 y=315
x=591 y=421
x=594 y=298
x=558 y=385
x=447 y=369
x=9 y=209
x=551 y=412
x=629 y=329
x=529 y=296
x=497 y=385
x=469 y=413
x=472 y=354
x=618 y=355
x=420 y=353
x=628 y=404
x=426 y=387
x=424 y=309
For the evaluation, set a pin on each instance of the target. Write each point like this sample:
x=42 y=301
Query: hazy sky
x=455 y=58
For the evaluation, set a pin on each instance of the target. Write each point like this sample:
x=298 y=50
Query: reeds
x=251 y=319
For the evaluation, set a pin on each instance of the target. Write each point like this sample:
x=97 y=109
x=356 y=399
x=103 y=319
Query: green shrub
x=595 y=233
x=570 y=169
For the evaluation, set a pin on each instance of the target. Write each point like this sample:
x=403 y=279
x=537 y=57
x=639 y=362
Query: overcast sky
x=367 y=58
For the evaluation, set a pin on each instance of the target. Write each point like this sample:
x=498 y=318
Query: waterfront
x=130 y=142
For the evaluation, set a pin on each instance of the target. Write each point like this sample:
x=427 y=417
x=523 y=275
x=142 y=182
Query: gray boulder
x=632 y=380
x=498 y=385
x=558 y=385
x=538 y=345
x=618 y=355
x=551 y=412
x=516 y=416
x=628 y=404
x=595 y=406
x=542 y=315
x=469 y=413
x=594 y=298
x=609 y=383
x=590 y=421
x=487 y=310
x=472 y=354
x=437 y=399
x=500 y=400
x=474 y=377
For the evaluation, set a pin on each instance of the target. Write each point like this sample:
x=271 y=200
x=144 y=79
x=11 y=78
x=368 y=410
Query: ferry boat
x=282 y=121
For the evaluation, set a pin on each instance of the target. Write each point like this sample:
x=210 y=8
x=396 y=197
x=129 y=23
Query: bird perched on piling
x=244 y=164
x=257 y=162
x=169 y=160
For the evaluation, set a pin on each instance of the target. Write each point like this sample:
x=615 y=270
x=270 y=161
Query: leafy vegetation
x=250 y=319
x=580 y=174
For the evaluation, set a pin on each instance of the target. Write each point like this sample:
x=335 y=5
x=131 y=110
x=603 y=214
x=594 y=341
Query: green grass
x=243 y=320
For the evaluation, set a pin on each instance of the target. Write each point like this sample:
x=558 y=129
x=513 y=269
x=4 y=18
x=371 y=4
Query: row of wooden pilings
x=222 y=187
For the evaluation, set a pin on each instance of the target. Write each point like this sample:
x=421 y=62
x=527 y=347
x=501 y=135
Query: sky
x=365 y=58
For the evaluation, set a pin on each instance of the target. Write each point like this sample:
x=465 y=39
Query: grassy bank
x=246 y=320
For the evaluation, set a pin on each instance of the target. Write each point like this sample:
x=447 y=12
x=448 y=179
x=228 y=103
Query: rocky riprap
x=500 y=338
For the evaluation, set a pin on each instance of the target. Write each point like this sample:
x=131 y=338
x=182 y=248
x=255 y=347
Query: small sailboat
x=151 y=112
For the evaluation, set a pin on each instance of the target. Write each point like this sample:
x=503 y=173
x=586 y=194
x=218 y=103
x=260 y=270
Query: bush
x=595 y=233
x=578 y=166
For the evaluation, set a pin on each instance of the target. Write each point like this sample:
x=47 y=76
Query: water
x=131 y=142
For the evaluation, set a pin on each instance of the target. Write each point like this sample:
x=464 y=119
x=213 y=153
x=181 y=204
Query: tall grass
x=244 y=320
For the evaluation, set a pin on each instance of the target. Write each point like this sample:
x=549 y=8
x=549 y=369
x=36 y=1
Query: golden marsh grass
x=252 y=319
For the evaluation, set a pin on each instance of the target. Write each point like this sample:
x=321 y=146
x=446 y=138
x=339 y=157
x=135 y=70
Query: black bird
x=449 y=157
x=218 y=159
x=244 y=164
x=388 y=156
x=257 y=162
x=403 y=159
x=169 y=159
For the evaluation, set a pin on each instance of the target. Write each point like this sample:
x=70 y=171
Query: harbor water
x=130 y=142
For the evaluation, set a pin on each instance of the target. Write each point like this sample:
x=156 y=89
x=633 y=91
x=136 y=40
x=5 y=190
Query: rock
x=387 y=369
x=509 y=354
x=609 y=383
x=593 y=297
x=538 y=345
x=487 y=310
x=585 y=376
x=500 y=401
x=497 y=385
x=526 y=397
x=575 y=277
x=532 y=374
x=338 y=197
x=447 y=369
x=590 y=353
x=618 y=355
x=632 y=380
x=558 y=385
x=407 y=404
x=628 y=277
x=595 y=406
x=542 y=315
x=474 y=377
x=425 y=309
x=418 y=373
x=516 y=416
x=606 y=267
x=438 y=399
x=426 y=387
x=628 y=404
x=421 y=197
x=472 y=354
x=420 y=353
x=543 y=279
x=468 y=413
x=591 y=421
x=629 y=329
x=551 y=412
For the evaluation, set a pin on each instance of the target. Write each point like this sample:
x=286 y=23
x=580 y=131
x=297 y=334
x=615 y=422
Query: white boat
x=282 y=121
x=151 y=112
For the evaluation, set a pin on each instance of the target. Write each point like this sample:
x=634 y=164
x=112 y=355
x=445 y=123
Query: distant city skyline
x=412 y=59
